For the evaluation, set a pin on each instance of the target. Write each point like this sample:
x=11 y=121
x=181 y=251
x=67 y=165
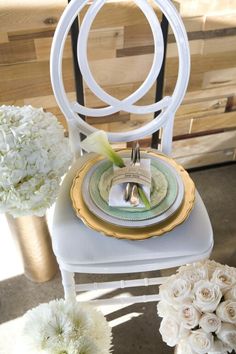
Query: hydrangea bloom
x=34 y=155
x=66 y=327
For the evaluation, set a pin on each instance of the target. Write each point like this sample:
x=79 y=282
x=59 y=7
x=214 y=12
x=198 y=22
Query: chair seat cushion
x=76 y=244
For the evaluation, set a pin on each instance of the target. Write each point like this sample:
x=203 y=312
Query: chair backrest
x=168 y=105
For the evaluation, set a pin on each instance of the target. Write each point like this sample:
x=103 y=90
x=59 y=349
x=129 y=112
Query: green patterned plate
x=127 y=216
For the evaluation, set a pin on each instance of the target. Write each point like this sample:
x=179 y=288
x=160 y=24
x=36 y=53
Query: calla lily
x=98 y=142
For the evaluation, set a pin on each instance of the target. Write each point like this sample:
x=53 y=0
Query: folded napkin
x=116 y=194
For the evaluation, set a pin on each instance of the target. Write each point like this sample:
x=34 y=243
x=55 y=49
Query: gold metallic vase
x=32 y=236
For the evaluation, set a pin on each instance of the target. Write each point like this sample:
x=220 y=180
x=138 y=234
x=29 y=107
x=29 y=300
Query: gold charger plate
x=132 y=233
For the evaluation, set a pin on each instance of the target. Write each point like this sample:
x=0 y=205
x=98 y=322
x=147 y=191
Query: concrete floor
x=135 y=328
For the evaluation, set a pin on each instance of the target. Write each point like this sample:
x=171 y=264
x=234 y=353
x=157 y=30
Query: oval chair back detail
x=79 y=248
x=168 y=105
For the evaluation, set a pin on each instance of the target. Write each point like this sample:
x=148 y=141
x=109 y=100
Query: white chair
x=83 y=250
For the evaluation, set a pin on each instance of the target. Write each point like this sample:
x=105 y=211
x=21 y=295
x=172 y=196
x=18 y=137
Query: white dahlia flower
x=65 y=327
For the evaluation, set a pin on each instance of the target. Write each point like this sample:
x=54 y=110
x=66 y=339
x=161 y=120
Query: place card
x=133 y=174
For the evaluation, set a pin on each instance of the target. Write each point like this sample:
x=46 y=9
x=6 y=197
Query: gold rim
x=132 y=233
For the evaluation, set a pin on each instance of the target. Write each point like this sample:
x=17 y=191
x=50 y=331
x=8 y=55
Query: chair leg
x=68 y=283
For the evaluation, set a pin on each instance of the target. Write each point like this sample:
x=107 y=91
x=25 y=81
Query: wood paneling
x=119 y=14
x=121 y=70
x=29 y=15
x=31 y=34
x=205 y=7
x=204 y=144
x=223 y=77
x=213 y=45
x=120 y=52
x=3 y=37
x=208 y=94
x=16 y=52
x=218 y=21
x=182 y=127
x=218 y=121
x=205 y=159
x=201 y=109
x=120 y=92
x=43 y=48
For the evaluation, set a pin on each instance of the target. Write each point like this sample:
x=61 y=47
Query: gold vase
x=33 y=239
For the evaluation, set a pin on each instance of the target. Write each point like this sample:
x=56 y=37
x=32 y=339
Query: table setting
x=130 y=193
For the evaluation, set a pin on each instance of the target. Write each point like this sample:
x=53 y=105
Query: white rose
x=232 y=270
x=200 y=341
x=224 y=278
x=207 y=296
x=209 y=322
x=223 y=351
x=212 y=266
x=219 y=347
x=189 y=316
x=231 y=294
x=193 y=272
x=176 y=291
x=226 y=311
x=184 y=347
x=171 y=331
x=164 y=309
x=227 y=334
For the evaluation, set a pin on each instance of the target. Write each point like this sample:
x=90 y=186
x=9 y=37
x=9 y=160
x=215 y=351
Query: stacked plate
x=133 y=217
x=165 y=213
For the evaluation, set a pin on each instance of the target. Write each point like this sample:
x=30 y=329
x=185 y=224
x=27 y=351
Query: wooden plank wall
x=120 y=51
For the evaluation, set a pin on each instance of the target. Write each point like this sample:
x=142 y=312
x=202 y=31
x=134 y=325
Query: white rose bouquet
x=198 y=306
x=34 y=156
x=61 y=327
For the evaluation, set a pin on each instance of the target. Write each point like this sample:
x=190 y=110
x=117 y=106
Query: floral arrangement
x=198 y=306
x=61 y=327
x=34 y=156
x=98 y=142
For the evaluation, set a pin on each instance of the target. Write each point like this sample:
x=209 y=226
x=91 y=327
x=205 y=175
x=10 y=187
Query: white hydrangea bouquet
x=34 y=156
x=61 y=327
x=198 y=306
